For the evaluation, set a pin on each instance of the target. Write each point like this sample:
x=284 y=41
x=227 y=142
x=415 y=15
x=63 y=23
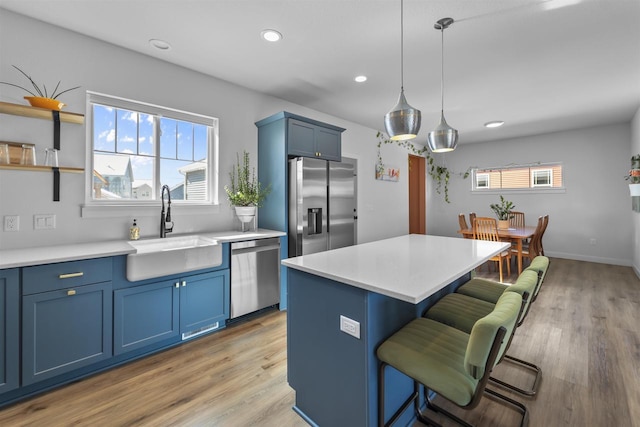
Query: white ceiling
x=539 y=65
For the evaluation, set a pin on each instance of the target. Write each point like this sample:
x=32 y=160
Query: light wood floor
x=584 y=331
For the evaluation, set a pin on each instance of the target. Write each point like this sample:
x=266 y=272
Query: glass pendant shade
x=403 y=121
x=443 y=138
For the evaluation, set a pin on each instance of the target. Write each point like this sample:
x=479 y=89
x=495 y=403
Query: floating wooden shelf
x=39 y=113
x=36 y=168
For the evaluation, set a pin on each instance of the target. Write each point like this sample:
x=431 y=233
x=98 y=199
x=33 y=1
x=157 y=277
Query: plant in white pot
x=245 y=193
x=634 y=176
x=503 y=212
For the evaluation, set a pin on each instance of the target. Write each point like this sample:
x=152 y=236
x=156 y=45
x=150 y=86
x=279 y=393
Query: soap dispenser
x=134 y=231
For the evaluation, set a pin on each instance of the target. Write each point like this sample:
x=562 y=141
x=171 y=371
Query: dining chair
x=534 y=247
x=486 y=228
x=516 y=220
x=462 y=221
x=472 y=218
x=544 y=228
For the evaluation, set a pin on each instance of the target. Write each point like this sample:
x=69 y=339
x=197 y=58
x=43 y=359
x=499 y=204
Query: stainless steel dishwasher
x=255 y=275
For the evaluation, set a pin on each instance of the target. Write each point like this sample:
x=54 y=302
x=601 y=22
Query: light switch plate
x=44 y=221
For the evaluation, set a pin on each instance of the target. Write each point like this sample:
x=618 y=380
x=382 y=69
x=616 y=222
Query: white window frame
x=534 y=176
x=487 y=180
x=531 y=189
x=111 y=208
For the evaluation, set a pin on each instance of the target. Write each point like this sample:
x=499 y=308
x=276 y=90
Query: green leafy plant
x=37 y=91
x=503 y=210
x=634 y=173
x=245 y=190
x=440 y=174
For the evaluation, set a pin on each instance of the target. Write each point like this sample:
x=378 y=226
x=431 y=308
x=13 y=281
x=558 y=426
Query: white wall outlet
x=350 y=326
x=11 y=223
x=593 y=242
x=44 y=221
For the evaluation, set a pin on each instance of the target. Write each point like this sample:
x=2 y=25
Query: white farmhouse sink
x=172 y=255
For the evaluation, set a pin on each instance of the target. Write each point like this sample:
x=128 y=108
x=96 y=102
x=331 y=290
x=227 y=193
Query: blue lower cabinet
x=178 y=308
x=144 y=315
x=204 y=302
x=9 y=329
x=65 y=329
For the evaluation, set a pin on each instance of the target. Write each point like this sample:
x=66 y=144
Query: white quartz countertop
x=409 y=268
x=10 y=258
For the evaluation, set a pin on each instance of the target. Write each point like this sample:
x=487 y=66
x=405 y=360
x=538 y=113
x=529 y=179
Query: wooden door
x=417 y=199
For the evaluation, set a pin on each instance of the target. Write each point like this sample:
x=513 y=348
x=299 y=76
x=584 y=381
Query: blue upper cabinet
x=309 y=140
x=9 y=329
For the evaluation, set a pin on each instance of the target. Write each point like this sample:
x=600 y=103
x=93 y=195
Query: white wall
x=50 y=54
x=635 y=149
x=596 y=204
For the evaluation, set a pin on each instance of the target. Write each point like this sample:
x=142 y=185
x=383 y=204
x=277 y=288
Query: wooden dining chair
x=486 y=228
x=472 y=218
x=534 y=247
x=516 y=220
x=462 y=221
x=544 y=228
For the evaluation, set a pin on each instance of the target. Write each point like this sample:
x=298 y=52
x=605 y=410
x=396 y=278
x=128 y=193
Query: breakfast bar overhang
x=342 y=304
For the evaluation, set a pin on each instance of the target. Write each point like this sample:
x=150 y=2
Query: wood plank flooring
x=583 y=330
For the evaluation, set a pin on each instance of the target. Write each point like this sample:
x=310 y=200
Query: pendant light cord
x=401 y=45
x=442 y=71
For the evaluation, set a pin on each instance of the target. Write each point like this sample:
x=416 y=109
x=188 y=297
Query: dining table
x=513 y=234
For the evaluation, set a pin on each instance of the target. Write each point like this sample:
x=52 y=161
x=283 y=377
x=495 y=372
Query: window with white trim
x=482 y=180
x=538 y=176
x=541 y=178
x=136 y=148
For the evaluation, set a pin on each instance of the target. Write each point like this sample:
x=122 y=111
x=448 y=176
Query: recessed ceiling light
x=360 y=79
x=494 y=124
x=271 y=35
x=160 y=44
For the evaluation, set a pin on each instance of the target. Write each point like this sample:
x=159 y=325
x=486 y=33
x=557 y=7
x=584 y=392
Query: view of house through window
x=138 y=150
x=518 y=177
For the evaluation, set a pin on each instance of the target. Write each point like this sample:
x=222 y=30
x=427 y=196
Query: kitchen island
x=342 y=304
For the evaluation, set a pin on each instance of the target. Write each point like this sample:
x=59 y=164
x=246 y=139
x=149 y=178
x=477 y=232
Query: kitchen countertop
x=10 y=258
x=409 y=268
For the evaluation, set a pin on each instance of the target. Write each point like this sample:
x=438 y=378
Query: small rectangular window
x=541 y=178
x=518 y=177
x=138 y=148
x=482 y=180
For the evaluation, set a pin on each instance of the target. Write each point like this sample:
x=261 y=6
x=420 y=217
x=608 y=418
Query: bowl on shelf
x=48 y=103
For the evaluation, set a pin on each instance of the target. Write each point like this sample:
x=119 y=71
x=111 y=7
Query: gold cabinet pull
x=71 y=292
x=70 y=275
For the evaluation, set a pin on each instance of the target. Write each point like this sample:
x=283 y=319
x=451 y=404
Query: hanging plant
x=439 y=174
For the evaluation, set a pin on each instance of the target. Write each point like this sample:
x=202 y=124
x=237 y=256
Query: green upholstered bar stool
x=449 y=362
x=488 y=291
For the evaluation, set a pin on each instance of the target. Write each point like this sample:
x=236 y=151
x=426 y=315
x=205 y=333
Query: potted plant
x=245 y=193
x=634 y=176
x=41 y=96
x=503 y=212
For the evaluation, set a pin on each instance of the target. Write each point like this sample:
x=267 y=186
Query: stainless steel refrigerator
x=322 y=205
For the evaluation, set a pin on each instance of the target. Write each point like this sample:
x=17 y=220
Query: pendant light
x=403 y=121
x=443 y=138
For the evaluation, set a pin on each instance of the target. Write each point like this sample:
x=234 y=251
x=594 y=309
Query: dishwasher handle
x=254 y=249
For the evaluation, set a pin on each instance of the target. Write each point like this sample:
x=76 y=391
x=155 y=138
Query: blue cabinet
x=170 y=309
x=9 y=329
x=66 y=317
x=311 y=140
